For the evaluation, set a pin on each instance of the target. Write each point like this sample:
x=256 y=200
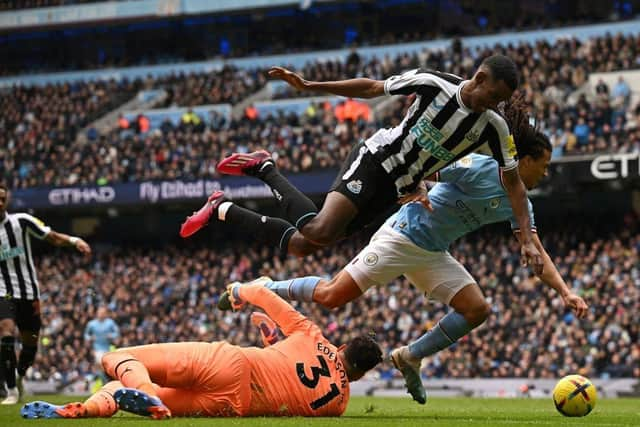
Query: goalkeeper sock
x=8 y=361
x=102 y=403
x=300 y=289
x=449 y=329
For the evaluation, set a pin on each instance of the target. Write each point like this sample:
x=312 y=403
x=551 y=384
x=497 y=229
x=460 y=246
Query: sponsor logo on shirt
x=6 y=254
x=429 y=138
x=437 y=106
x=355 y=186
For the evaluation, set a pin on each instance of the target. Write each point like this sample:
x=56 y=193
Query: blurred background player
x=19 y=290
x=102 y=332
x=449 y=118
x=304 y=374
x=414 y=242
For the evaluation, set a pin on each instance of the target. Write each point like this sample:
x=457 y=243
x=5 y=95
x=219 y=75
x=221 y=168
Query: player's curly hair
x=363 y=353
x=502 y=69
x=529 y=140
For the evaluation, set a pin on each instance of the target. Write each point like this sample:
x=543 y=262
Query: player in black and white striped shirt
x=19 y=291
x=449 y=118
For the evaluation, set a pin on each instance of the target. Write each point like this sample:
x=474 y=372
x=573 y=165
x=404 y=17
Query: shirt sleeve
x=501 y=142
x=514 y=222
x=286 y=317
x=410 y=82
x=33 y=225
x=115 y=330
x=88 y=331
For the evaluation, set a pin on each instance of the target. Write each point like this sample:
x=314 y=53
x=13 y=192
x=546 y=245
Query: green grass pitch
x=378 y=411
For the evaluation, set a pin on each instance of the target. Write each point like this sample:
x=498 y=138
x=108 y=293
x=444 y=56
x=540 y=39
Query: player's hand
x=576 y=304
x=83 y=247
x=420 y=195
x=236 y=303
x=531 y=256
x=290 y=77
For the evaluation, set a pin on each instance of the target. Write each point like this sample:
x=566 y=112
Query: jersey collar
x=459 y=97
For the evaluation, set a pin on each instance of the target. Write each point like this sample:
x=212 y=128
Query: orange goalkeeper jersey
x=301 y=375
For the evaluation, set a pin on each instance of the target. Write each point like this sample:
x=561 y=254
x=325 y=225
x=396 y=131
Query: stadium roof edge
x=298 y=60
x=128 y=10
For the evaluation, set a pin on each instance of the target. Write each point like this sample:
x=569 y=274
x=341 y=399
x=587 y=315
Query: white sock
x=222 y=210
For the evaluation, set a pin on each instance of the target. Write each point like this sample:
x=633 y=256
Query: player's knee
x=107 y=361
x=320 y=231
x=7 y=327
x=477 y=313
x=299 y=246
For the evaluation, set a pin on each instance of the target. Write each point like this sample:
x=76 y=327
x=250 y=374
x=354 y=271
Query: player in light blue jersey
x=414 y=242
x=102 y=332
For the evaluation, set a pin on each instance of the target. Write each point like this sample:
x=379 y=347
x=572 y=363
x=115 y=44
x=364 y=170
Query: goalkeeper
x=302 y=375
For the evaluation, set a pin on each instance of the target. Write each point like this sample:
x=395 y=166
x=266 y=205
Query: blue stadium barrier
x=298 y=60
x=296 y=106
x=174 y=114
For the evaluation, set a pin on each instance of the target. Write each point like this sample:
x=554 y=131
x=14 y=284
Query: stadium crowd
x=170 y=294
x=35 y=147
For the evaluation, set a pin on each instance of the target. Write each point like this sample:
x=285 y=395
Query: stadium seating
x=169 y=294
x=604 y=123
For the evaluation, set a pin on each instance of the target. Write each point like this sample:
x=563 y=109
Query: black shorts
x=25 y=313
x=363 y=181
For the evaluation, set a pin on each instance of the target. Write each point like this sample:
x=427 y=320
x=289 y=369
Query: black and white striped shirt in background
x=437 y=130
x=17 y=273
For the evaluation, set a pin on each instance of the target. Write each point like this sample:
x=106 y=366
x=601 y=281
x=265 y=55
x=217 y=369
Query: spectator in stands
x=190 y=121
x=123 y=123
x=602 y=88
x=581 y=131
x=142 y=124
x=622 y=91
x=251 y=112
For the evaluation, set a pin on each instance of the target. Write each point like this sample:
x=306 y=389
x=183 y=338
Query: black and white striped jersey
x=17 y=273
x=437 y=130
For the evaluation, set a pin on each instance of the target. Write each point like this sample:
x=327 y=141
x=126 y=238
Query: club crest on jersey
x=355 y=186
x=472 y=136
x=465 y=162
x=494 y=203
x=370 y=259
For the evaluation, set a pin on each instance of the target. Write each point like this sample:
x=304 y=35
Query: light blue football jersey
x=469 y=195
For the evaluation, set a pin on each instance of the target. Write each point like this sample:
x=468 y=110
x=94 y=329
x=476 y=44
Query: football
x=574 y=396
